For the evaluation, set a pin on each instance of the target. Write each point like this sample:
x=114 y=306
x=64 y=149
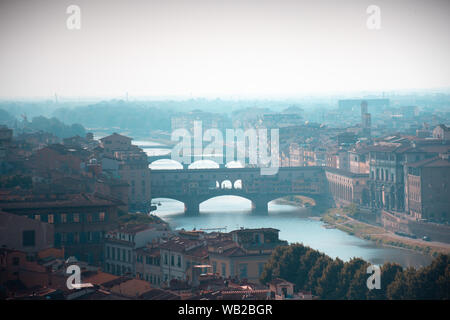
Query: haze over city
x=237 y=49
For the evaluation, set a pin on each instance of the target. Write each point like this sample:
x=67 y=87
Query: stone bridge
x=194 y=186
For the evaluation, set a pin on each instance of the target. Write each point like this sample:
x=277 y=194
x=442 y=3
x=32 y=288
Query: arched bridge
x=194 y=186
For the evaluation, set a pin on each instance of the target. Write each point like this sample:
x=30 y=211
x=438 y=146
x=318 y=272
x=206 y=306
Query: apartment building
x=132 y=167
x=121 y=245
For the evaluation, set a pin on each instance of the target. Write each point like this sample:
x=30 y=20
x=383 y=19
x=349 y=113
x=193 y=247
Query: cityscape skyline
x=246 y=150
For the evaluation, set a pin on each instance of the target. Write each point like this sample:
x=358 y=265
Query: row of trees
x=41 y=123
x=311 y=270
x=55 y=127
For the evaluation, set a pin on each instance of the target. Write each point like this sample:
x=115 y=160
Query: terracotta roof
x=115 y=135
x=154 y=252
x=131 y=288
x=72 y=200
x=431 y=163
x=234 y=252
x=114 y=282
x=158 y=294
x=180 y=244
x=134 y=228
x=384 y=147
x=99 y=278
x=200 y=252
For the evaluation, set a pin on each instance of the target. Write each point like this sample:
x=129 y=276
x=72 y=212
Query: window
x=172 y=260
x=16 y=261
x=179 y=261
x=37 y=217
x=63 y=218
x=165 y=258
x=101 y=216
x=89 y=218
x=224 y=270
x=260 y=268
x=51 y=218
x=57 y=239
x=70 y=238
x=28 y=238
x=243 y=271
x=76 y=217
x=214 y=266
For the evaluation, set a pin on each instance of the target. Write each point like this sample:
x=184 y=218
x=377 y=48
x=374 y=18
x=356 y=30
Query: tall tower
x=366 y=120
x=363 y=110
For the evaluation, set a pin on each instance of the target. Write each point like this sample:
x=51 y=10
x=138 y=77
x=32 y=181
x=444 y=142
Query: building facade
x=347 y=187
x=80 y=221
x=121 y=245
x=132 y=167
x=428 y=184
x=245 y=254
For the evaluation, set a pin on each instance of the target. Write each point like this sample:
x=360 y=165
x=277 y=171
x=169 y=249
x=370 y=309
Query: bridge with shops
x=194 y=186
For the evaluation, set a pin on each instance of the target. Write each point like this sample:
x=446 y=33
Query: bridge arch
x=226 y=184
x=239 y=203
x=204 y=164
x=237 y=184
x=165 y=164
x=234 y=164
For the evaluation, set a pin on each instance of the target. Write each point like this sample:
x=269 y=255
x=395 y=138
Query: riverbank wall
x=400 y=224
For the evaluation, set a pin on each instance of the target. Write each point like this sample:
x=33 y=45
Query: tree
x=329 y=285
x=388 y=273
x=316 y=272
x=403 y=285
x=354 y=278
x=312 y=270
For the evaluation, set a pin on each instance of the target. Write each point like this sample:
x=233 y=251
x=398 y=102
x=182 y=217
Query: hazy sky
x=221 y=47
